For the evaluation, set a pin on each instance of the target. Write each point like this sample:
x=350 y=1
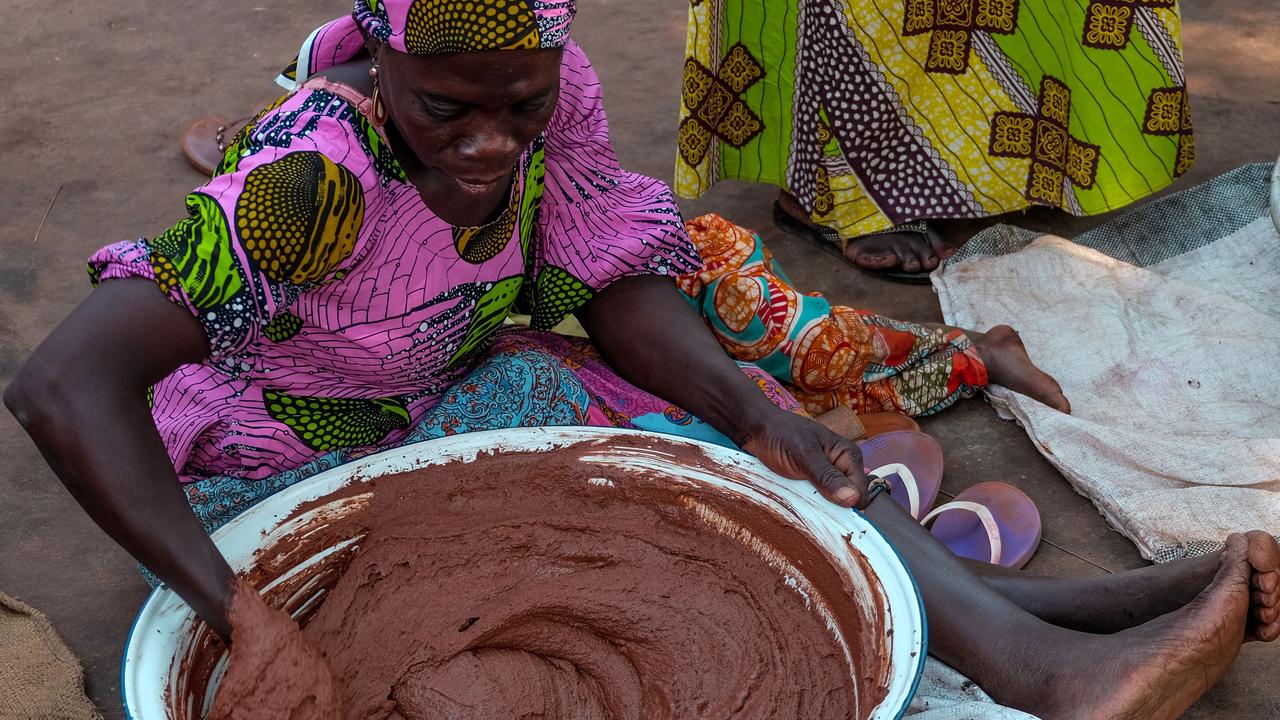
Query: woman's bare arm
x=656 y=341
x=82 y=396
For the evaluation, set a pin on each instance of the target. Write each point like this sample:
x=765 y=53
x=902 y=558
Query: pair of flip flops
x=991 y=522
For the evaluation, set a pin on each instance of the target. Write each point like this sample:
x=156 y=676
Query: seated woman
x=340 y=285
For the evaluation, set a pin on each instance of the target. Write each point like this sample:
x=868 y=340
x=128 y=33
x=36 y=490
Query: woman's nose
x=490 y=143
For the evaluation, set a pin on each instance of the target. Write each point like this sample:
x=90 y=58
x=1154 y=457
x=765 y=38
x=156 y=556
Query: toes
x=1267 y=582
x=1264 y=598
x=1235 y=560
x=1061 y=403
x=1267 y=633
x=872 y=259
x=938 y=248
x=925 y=253
x=908 y=260
x=1265 y=615
x=922 y=251
x=1264 y=552
x=910 y=253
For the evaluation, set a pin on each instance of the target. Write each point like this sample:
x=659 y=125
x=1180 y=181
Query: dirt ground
x=96 y=95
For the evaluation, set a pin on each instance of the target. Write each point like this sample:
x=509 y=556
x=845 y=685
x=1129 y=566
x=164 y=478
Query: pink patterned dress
x=339 y=308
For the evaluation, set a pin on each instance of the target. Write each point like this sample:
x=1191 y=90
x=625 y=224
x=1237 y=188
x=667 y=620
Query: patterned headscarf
x=427 y=27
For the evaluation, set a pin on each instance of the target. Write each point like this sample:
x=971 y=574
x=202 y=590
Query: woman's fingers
x=835 y=466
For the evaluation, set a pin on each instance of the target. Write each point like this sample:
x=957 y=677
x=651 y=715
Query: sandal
x=830 y=240
x=992 y=522
x=911 y=462
x=205 y=140
x=845 y=423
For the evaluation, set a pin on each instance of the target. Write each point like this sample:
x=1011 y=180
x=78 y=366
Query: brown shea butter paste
x=528 y=586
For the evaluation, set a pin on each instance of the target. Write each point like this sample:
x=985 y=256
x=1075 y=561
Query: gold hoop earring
x=379 y=109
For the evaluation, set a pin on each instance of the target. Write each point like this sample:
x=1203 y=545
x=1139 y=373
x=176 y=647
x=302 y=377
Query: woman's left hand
x=801 y=448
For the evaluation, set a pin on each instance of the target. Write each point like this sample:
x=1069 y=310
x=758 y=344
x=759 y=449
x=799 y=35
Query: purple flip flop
x=991 y=522
x=911 y=462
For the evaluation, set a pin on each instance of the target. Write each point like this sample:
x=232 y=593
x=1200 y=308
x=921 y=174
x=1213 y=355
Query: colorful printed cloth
x=528 y=379
x=794 y=346
x=426 y=27
x=878 y=112
x=827 y=356
x=339 y=308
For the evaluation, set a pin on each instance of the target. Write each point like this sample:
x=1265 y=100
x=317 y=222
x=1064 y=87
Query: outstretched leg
x=1155 y=670
x=1110 y=603
x=830 y=356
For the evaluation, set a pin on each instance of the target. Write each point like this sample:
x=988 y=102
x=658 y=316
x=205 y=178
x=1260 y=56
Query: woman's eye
x=532 y=107
x=442 y=110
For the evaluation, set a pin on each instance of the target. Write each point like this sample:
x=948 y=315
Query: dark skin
x=86 y=408
x=458 y=123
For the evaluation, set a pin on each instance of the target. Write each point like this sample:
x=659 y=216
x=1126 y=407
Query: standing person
x=880 y=120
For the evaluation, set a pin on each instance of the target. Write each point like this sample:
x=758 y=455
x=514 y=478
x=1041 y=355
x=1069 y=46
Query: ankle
x=1045 y=681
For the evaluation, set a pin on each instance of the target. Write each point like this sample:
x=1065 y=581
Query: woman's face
x=466 y=118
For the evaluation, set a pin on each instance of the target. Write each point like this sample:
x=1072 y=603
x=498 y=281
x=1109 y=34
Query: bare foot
x=1157 y=670
x=1008 y=364
x=1172 y=584
x=1111 y=603
x=907 y=251
x=1264 y=587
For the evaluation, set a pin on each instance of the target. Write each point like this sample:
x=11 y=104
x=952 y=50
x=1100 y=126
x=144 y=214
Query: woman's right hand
x=82 y=397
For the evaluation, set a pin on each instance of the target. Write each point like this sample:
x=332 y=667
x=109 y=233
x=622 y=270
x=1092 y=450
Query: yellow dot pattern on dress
x=481 y=244
x=166 y=274
x=282 y=327
x=298 y=217
x=558 y=293
x=448 y=26
x=336 y=423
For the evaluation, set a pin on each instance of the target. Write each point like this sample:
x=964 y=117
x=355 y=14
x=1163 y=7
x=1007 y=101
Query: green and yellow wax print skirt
x=878 y=112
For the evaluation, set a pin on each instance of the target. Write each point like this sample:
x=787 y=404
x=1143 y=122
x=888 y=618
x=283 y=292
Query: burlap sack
x=39 y=677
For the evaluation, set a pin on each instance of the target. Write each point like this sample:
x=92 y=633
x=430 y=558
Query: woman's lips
x=481 y=186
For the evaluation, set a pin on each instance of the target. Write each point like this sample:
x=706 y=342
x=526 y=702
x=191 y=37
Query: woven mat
x=39 y=677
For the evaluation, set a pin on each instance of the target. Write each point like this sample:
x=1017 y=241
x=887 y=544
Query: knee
x=33 y=393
